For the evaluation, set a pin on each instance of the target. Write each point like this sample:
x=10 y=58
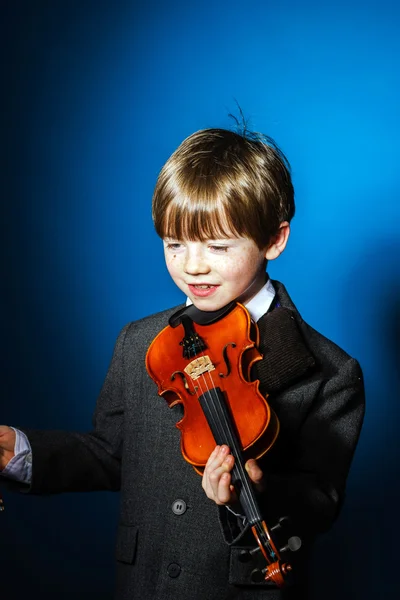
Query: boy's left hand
x=217 y=477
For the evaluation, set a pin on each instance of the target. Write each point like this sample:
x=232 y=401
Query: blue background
x=95 y=97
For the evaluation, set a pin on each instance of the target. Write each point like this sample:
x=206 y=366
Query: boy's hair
x=219 y=182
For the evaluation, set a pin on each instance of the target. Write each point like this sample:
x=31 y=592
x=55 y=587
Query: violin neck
x=222 y=427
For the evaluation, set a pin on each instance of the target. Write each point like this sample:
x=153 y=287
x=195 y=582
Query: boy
x=222 y=204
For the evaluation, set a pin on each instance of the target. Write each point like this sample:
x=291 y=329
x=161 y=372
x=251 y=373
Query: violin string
x=230 y=440
x=213 y=395
x=247 y=497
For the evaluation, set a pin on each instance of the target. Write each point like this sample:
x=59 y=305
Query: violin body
x=224 y=365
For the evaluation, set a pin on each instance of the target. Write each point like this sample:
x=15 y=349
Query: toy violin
x=203 y=361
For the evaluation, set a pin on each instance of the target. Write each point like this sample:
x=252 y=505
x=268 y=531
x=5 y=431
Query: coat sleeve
x=305 y=477
x=67 y=461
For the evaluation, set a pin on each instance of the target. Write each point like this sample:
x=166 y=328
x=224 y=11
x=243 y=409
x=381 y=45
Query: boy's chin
x=208 y=305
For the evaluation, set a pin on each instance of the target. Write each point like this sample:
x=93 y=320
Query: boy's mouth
x=202 y=289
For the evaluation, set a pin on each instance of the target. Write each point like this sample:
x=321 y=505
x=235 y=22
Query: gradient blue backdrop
x=95 y=97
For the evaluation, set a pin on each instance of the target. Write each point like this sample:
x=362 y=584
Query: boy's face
x=212 y=273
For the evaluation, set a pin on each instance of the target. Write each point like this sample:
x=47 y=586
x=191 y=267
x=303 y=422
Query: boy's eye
x=175 y=246
x=219 y=249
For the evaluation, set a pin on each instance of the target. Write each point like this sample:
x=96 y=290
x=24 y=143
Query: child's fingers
x=255 y=474
x=217 y=484
x=213 y=474
x=224 y=493
x=216 y=458
x=216 y=478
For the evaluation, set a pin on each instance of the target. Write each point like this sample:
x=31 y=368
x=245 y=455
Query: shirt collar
x=259 y=304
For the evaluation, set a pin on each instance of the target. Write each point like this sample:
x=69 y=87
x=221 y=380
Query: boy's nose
x=196 y=264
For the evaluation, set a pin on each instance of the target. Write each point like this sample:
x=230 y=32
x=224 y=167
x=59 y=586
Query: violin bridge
x=199 y=366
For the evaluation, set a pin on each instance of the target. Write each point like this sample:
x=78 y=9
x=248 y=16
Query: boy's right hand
x=217 y=476
x=7 y=443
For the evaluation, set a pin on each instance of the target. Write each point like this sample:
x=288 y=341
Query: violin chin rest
x=200 y=317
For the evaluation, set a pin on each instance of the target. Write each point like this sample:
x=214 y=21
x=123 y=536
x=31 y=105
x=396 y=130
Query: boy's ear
x=279 y=241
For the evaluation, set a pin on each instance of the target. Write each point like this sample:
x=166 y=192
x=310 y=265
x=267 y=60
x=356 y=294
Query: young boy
x=222 y=204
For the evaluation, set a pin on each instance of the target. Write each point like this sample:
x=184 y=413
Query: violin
x=203 y=360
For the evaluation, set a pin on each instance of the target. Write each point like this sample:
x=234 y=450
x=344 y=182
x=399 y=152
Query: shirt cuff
x=20 y=466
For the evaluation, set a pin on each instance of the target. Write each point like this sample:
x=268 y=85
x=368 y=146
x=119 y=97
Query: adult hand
x=217 y=476
x=7 y=443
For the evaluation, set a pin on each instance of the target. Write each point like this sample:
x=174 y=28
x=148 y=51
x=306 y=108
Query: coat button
x=173 y=570
x=179 y=507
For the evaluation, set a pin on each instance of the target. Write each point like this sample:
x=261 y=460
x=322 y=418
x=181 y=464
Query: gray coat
x=172 y=541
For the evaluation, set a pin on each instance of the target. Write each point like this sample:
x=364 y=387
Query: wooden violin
x=203 y=360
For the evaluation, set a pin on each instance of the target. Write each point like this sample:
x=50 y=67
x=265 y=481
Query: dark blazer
x=173 y=542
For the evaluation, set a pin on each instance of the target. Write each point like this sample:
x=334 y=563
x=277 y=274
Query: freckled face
x=212 y=273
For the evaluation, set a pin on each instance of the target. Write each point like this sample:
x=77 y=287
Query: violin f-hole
x=226 y=359
x=185 y=383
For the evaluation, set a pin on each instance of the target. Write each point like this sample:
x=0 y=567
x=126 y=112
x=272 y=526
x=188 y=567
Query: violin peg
x=293 y=544
x=257 y=575
x=247 y=555
x=283 y=522
x=244 y=556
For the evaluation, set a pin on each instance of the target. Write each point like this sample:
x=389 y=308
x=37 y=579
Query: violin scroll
x=280 y=570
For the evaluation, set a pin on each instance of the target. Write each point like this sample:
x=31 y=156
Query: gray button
x=28 y=458
x=179 y=507
x=173 y=570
